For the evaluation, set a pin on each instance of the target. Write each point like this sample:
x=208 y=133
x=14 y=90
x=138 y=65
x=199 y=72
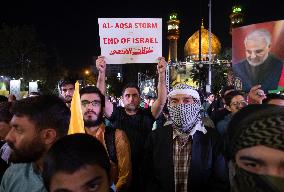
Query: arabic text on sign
x=132 y=51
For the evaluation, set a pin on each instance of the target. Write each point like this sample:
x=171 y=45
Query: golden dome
x=191 y=47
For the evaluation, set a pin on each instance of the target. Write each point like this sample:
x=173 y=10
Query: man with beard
x=256 y=149
x=66 y=88
x=114 y=140
x=185 y=155
x=136 y=122
x=260 y=67
x=36 y=124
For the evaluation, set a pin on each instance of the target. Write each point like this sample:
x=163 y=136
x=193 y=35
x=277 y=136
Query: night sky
x=71 y=26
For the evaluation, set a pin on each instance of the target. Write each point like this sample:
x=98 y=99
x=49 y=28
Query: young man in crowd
x=256 y=149
x=115 y=140
x=134 y=121
x=36 y=124
x=66 y=88
x=217 y=108
x=185 y=155
x=88 y=172
x=234 y=101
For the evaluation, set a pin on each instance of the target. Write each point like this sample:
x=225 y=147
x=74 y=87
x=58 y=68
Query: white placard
x=15 y=86
x=130 y=40
x=33 y=86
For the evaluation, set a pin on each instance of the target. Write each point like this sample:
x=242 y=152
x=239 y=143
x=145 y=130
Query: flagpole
x=209 y=50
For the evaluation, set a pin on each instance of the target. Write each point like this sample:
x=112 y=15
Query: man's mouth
x=90 y=113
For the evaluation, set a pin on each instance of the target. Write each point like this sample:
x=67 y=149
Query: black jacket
x=268 y=76
x=208 y=170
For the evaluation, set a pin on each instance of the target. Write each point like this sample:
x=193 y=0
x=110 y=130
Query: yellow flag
x=76 y=121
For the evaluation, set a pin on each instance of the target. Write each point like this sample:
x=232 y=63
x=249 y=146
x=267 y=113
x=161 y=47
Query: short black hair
x=46 y=111
x=130 y=85
x=66 y=81
x=3 y=98
x=5 y=113
x=229 y=96
x=271 y=96
x=33 y=93
x=208 y=94
x=225 y=89
x=72 y=153
x=93 y=89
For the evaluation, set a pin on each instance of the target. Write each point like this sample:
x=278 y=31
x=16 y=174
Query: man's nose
x=89 y=106
x=274 y=171
x=10 y=137
x=131 y=98
x=253 y=55
x=69 y=92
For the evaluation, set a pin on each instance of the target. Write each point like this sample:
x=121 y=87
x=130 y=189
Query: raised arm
x=101 y=84
x=162 y=89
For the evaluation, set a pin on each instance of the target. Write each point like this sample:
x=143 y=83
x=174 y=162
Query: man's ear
x=49 y=136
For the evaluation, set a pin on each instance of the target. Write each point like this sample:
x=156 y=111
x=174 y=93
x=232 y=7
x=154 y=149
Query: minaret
x=173 y=36
x=236 y=17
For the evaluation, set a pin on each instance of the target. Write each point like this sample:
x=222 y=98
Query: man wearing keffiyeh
x=185 y=155
x=256 y=149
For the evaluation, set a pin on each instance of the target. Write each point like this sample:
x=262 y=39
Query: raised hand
x=256 y=94
x=162 y=65
x=101 y=64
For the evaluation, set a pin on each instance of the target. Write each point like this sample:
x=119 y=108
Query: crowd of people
x=228 y=142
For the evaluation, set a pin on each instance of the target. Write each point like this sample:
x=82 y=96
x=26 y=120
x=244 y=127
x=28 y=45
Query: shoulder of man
x=110 y=136
x=211 y=133
x=16 y=167
x=275 y=58
x=240 y=65
x=116 y=113
x=14 y=175
x=162 y=131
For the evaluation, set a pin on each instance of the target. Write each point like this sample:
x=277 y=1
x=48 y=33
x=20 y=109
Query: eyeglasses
x=239 y=103
x=95 y=103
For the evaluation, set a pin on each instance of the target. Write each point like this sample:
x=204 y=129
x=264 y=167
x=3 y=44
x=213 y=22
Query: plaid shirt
x=181 y=156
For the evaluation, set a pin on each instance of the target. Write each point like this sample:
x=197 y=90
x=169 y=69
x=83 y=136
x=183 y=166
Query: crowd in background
x=232 y=141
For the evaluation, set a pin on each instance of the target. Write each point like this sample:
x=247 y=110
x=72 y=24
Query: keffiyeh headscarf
x=186 y=117
x=251 y=126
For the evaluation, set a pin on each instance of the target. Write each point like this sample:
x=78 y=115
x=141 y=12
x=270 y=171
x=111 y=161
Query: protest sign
x=130 y=40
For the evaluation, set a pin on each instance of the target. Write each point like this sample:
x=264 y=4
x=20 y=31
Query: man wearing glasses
x=260 y=66
x=234 y=101
x=114 y=140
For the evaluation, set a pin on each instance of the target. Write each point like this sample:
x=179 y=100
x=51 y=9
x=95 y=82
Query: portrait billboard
x=257 y=56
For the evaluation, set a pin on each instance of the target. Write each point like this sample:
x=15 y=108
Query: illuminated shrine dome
x=191 y=48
